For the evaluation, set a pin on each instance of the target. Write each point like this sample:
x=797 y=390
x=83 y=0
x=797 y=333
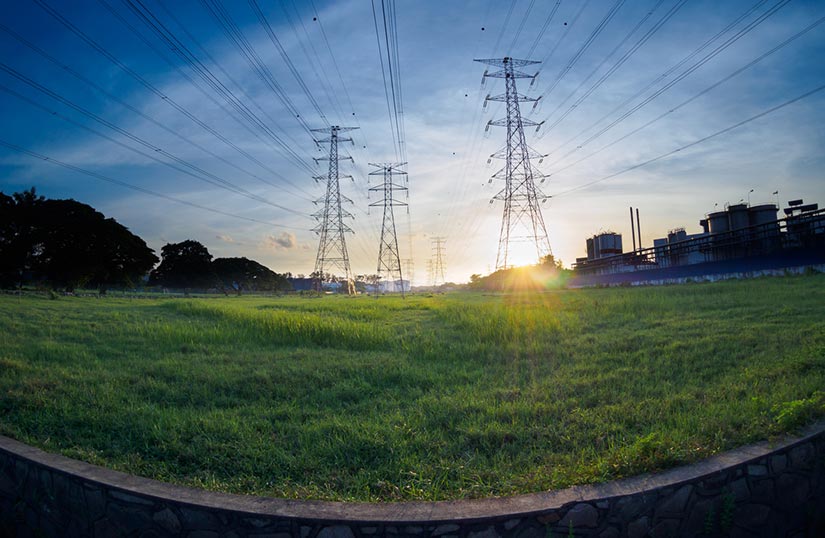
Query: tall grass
x=453 y=396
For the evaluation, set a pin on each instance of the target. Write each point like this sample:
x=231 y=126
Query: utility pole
x=332 y=247
x=520 y=195
x=389 y=261
x=438 y=260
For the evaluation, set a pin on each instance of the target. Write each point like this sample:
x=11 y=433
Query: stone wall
x=760 y=490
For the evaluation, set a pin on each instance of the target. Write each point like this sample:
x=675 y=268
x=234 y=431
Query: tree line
x=65 y=244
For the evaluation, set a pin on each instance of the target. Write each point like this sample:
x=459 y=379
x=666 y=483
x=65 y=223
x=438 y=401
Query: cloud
x=225 y=238
x=283 y=241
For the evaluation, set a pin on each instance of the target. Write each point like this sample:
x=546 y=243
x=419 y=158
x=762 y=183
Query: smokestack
x=632 y=229
x=639 y=228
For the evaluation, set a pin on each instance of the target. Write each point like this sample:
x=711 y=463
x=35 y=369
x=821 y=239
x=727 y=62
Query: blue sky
x=444 y=137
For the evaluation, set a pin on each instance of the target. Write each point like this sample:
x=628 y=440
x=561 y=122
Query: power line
x=121 y=183
x=544 y=27
x=697 y=95
x=651 y=31
x=137 y=77
x=696 y=142
x=586 y=45
x=190 y=169
x=203 y=71
x=660 y=78
x=131 y=108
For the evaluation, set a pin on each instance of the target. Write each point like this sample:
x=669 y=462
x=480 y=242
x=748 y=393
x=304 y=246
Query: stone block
x=547 y=519
x=665 y=527
x=762 y=491
x=674 y=505
x=581 y=515
x=739 y=489
x=511 y=524
x=632 y=507
x=128 y=498
x=638 y=528
x=802 y=456
x=194 y=519
x=779 y=463
x=95 y=502
x=792 y=490
x=167 y=519
x=203 y=534
x=8 y=488
x=751 y=516
x=489 y=532
x=413 y=530
x=106 y=529
x=757 y=470
x=445 y=529
x=696 y=519
x=255 y=522
x=336 y=531
x=609 y=532
x=129 y=517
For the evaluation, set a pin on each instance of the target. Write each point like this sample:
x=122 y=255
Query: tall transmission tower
x=389 y=260
x=409 y=269
x=332 y=247
x=520 y=195
x=438 y=260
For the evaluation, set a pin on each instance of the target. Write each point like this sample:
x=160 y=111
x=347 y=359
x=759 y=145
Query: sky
x=674 y=107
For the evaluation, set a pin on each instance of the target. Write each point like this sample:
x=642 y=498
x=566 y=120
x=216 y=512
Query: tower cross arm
x=501 y=62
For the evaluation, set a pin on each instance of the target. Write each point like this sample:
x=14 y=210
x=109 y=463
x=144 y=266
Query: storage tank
x=718 y=222
x=738 y=216
x=762 y=214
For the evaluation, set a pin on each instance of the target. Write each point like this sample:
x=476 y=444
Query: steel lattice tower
x=520 y=195
x=332 y=247
x=438 y=260
x=389 y=260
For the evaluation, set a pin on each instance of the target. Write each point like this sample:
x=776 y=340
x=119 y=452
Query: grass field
x=442 y=397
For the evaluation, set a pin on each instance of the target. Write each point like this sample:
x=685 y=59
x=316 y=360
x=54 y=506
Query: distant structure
x=438 y=260
x=409 y=267
x=741 y=238
x=332 y=247
x=603 y=245
x=520 y=195
x=389 y=260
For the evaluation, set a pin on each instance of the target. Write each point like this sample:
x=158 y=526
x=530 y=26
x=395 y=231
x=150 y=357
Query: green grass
x=440 y=397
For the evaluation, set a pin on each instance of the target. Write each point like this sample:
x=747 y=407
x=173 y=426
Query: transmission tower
x=409 y=269
x=332 y=248
x=520 y=195
x=389 y=261
x=438 y=260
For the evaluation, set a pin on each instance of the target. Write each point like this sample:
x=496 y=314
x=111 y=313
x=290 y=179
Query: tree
x=184 y=265
x=243 y=274
x=81 y=247
x=67 y=244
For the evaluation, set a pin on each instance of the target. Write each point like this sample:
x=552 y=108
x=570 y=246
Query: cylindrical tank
x=718 y=222
x=738 y=215
x=762 y=214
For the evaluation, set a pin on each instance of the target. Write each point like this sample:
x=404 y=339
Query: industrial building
x=740 y=238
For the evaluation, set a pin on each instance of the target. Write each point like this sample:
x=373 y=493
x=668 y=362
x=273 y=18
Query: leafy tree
x=244 y=274
x=66 y=244
x=185 y=265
